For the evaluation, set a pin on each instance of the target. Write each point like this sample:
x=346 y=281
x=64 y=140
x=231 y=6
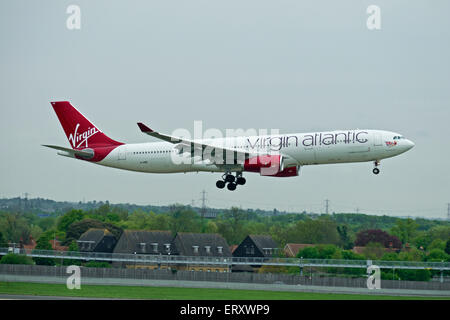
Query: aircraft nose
x=409 y=144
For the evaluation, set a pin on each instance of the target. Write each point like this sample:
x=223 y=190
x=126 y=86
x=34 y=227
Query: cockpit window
x=398 y=137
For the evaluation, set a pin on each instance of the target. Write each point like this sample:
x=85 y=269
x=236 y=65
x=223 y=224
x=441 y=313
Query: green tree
x=12 y=258
x=329 y=251
x=52 y=234
x=70 y=217
x=437 y=244
x=309 y=253
x=405 y=230
x=103 y=210
x=319 y=231
x=3 y=242
x=159 y=221
x=413 y=275
x=437 y=255
x=422 y=240
x=138 y=220
x=76 y=229
x=390 y=256
x=350 y=255
x=226 y=231
x=46 y=223
x=412 y=254
x=15 y=228
x=255 y=227
x=279 y=234
x=211 y=227
x=185 y=220
x=374 y=250
x=36 y=231
x=344 y=236
x=73 y=248
x=235 y=218
x=43 y=243
x=447 y=247
x=439 y=232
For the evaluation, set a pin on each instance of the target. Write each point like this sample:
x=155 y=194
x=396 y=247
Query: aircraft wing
x=216 y=154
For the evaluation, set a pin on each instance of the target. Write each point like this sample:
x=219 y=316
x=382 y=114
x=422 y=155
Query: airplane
x=280 y=155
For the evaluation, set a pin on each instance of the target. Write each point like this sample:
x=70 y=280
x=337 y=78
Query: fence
x=228 y=261
x=58 y=272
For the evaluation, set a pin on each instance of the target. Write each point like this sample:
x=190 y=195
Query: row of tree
x=373 y=250
x=343 y=230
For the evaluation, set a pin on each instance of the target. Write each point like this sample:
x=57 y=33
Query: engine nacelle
x=288 y=172
x=270 y=165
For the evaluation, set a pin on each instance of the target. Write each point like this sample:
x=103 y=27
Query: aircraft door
x=377 y=142
x=122 y=153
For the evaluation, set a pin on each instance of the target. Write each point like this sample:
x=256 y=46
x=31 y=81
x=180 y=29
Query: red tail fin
x=79 y=130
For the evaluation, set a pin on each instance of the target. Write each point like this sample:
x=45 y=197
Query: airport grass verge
x=175 y=293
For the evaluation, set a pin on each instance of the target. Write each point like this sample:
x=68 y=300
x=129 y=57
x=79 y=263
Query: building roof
x=360 y=250
x=292 y=249
x=144 y=242
x=187 y=244
x=90 y=239
x=94 y=234
x=263 y=242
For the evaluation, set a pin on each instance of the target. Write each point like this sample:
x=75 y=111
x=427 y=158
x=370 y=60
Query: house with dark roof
x=144 y=242
x=202 y=245
x=256 y=246
x=97 y=240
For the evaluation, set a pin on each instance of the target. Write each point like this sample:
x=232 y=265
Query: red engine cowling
x=270 y=165
x=288 y=172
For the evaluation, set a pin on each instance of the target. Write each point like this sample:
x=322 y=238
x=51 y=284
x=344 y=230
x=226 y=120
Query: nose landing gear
x=231 y=181
x=376 y=170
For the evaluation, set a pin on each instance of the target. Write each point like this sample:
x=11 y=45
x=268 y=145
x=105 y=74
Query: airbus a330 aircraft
x=269 y=155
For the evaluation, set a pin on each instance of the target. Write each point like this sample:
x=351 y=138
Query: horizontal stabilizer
x=85 y=153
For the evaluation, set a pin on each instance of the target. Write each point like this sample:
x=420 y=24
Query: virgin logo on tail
x=77 y=139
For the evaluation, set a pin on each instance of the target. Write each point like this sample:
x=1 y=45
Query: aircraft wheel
x=220 y=184
x=241 y=181
x=376 y=170
x=231 y=186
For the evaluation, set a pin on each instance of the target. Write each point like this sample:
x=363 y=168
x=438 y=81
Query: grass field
x=172 y=293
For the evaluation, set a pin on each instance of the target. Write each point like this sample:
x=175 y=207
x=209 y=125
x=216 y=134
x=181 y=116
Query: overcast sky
x=296 y=66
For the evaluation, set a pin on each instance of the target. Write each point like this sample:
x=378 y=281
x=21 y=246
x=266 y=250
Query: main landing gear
x=231 y=181
x=376 y=170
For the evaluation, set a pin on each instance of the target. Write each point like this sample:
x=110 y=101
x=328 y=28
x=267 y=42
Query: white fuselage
x=340 y=146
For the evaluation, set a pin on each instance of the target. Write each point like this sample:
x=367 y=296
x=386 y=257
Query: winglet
x=144 y=128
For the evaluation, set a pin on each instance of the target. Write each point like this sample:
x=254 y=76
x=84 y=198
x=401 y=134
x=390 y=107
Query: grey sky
x=296 y=66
